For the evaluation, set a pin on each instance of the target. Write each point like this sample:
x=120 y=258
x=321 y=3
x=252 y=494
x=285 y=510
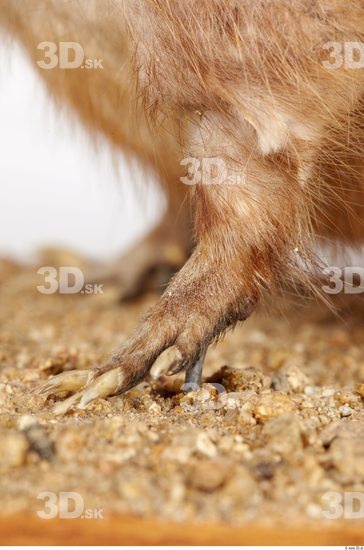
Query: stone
x=347 y=458
x=205 y=446
x=283 y=435
x=290 y=378
x=208 y=476
x=14 y=450
x=274 y=404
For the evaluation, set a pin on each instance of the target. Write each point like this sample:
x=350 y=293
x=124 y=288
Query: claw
x=168 y=360
x=67 y=381
x=193 y=375
x=104 y=386
x=63 y=406
x=175 y=369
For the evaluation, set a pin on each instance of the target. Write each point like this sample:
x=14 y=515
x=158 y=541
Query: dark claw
x=193 y=375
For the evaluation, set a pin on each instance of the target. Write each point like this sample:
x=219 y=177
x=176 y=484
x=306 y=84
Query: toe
x=105 y=385
x=64 y=406
x=168 y=361
x=67 y=382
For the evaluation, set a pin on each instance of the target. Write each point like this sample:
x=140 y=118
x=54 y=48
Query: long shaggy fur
x=247 y=80
x=240 y=80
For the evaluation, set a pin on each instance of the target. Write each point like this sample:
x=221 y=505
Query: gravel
x=277 y=424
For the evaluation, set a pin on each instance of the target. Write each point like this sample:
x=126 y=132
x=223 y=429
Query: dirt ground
x=277 y=425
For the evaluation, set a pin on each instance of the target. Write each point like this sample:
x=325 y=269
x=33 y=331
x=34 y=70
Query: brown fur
x=241 y=80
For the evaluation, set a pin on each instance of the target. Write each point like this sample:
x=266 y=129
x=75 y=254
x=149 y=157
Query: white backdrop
x=55 y=188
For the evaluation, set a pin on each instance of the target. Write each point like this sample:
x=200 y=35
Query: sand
x=277 y=425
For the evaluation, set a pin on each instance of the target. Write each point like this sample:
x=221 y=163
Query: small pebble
x=205 y=446
x=345 y=410
x=272 y=405
x=14 y=450
x=290 y=378
x=208 y=476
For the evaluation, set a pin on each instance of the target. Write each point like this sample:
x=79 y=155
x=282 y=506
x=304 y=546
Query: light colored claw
x=167 y=360
x=67 y=381
x=104 y=386
x=63 y=406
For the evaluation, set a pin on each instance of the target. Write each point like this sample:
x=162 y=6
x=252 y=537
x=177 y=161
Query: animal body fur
x=243 y=81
